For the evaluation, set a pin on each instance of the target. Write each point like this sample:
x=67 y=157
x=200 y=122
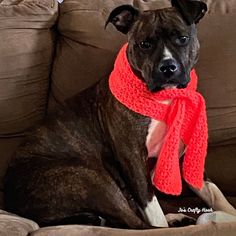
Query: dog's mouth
x=156 y=87
x=169 y=86
x=158 y=83
x=166 y=86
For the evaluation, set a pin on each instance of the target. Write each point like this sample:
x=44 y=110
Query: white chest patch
x=156 y=133
x=154 y=140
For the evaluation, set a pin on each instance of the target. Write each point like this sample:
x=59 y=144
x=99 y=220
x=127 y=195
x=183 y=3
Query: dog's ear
x=191 y=11
x=122 y=18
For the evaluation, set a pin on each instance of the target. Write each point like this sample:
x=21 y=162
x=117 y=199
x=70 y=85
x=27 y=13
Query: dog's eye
x=145 y=45
x=182 y=40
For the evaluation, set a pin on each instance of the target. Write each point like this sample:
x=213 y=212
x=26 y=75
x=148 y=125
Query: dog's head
x=163 y=45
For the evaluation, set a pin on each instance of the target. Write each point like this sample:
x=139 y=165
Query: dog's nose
x=168 y=67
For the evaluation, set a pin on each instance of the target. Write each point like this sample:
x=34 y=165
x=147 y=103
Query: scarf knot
x=183 y=111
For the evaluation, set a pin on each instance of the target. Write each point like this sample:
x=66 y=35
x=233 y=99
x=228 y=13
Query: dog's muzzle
x=168 y=74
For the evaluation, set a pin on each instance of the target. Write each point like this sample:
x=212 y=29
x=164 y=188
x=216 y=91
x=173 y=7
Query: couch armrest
x=12 y=225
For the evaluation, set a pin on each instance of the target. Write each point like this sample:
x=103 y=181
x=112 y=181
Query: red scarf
x=185 y=118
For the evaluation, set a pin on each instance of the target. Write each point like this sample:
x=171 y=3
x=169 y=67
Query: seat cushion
x=13 y=225
x=226 y=229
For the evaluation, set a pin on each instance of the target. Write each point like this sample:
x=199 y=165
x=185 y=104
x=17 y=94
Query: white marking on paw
x=155 y=214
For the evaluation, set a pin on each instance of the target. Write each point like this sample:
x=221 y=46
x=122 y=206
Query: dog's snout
x=168 y=67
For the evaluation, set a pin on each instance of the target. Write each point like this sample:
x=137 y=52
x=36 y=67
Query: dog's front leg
x=132 y=177
x=133 y=170
x=214 y=198
x=127 y=138
x=143 y=193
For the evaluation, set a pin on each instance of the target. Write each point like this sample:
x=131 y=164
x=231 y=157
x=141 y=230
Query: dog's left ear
x=122 y=18
x=191 y=11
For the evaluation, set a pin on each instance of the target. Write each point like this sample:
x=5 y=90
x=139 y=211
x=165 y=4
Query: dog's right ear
x=191 y=10
x=122 y=18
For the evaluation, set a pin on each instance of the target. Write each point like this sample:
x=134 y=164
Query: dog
x=86 y=163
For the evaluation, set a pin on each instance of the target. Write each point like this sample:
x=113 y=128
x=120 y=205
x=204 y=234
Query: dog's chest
x=156 y=134
x=155 y=137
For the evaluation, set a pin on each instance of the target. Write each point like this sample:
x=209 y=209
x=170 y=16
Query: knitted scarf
x=185 y=118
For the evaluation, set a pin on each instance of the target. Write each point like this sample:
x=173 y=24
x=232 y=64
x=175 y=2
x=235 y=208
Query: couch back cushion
x=25 y=57
x=217 y=70
x=85 y=50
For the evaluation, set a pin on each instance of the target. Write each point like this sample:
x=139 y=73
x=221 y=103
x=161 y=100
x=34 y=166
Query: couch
x=51 y=51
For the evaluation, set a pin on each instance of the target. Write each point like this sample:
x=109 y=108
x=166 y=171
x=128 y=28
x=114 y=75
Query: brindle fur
x=67 y=167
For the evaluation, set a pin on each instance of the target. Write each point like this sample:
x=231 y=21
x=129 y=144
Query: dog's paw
x=179 y=220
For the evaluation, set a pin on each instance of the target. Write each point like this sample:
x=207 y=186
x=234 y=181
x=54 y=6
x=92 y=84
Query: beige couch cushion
x=217 y=70
x=220 y=166
x=217 y=82
x=13 y=225
x=26 y=50
x=85 y=50
x=226 y=229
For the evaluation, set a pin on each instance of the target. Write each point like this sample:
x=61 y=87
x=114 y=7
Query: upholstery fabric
x=226 y=229
x=85 y=50
x=217 y=72
x=12 y=225
x=217 y=83
x=26 y=49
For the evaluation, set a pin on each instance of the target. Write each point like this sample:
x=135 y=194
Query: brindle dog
x=88 y=160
